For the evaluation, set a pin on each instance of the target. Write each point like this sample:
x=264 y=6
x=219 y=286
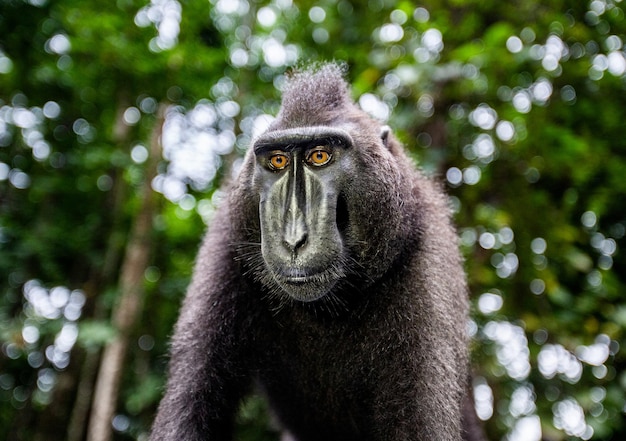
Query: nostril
x=295 y=242
x=301 y=242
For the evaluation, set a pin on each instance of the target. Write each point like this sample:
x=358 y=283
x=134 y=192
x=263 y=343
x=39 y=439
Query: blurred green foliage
x=517 y=106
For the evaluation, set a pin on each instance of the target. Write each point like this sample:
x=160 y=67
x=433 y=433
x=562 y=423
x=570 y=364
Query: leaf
x=94 y=334
x=579 y=260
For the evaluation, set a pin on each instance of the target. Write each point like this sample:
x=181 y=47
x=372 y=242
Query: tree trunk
x=101 y=277
x=128 y=309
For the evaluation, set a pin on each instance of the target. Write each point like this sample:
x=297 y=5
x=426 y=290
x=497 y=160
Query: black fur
x=382 y=355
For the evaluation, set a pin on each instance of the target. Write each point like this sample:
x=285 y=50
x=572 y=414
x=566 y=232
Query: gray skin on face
x=301 y=241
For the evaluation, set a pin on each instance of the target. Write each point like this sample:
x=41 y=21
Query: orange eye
x=279 y=161
x=318 y=157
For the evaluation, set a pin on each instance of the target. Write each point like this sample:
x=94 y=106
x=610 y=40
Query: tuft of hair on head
x=314 y=95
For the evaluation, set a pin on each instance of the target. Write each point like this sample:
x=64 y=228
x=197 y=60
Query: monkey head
x=301 y=173
x=322 y=173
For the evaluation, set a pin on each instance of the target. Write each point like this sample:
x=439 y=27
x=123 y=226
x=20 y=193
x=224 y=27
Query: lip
x=297 y=280
x=304 y=285
x=302 y=279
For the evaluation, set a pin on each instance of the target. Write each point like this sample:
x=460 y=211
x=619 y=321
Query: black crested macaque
x=330 y=279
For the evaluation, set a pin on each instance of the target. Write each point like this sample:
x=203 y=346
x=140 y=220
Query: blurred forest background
x=119 y=120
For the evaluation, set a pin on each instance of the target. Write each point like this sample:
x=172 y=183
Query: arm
x=206 y=375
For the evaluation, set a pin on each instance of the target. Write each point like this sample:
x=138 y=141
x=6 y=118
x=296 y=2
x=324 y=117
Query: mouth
x=299 y=280
x=306 y=286
x=302 y=277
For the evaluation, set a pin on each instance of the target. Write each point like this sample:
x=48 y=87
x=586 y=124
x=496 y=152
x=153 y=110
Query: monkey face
x=302 y=216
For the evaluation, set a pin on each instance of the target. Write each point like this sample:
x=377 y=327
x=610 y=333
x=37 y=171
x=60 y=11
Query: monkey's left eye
x=318 y=157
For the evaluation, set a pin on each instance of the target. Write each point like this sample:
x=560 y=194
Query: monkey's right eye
x=278 y=161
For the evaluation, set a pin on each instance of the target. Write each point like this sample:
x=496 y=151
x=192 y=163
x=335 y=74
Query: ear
x=384 y=135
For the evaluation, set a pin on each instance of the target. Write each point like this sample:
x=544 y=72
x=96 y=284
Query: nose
x=296 y=234
x=295 y=231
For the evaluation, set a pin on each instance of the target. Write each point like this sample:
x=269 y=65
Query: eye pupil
x=279 y=161
x=319 y=157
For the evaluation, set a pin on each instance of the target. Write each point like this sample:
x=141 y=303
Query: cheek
x=367 y=198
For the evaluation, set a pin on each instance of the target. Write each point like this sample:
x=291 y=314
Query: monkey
x=330 y=280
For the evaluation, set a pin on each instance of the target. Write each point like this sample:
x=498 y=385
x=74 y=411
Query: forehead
x=299 y=137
